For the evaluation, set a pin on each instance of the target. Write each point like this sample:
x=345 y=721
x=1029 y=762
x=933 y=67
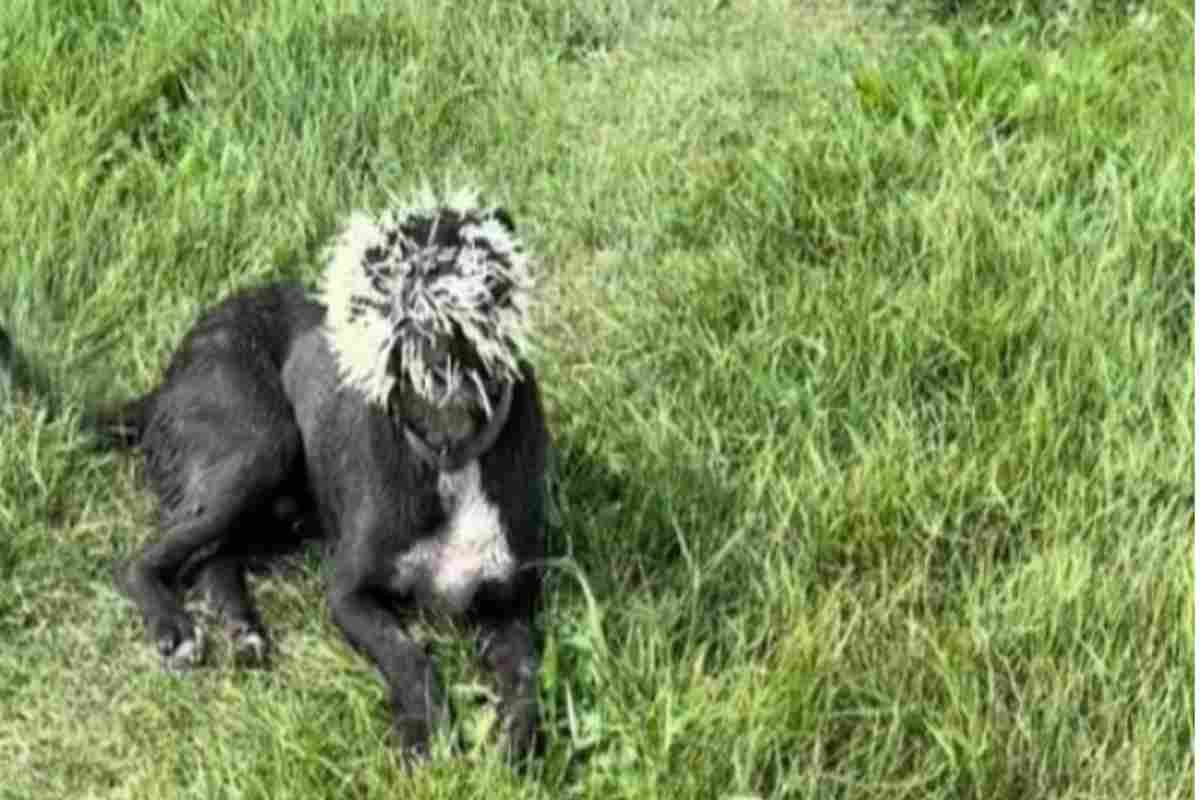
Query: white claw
x=251 y=645
x=186 y=655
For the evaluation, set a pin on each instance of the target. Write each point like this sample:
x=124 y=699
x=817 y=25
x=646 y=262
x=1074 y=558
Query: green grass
x=867 y=350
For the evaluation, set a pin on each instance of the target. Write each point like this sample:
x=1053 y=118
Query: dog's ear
x=504 y=218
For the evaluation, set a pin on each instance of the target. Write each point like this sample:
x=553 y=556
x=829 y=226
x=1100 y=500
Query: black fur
x=250 y=425
x=6 y=365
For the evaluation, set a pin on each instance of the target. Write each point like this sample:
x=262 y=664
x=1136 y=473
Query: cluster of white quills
x=383 y=290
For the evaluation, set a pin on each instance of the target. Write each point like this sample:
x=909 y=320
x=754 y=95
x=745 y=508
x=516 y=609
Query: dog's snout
x=439 y=440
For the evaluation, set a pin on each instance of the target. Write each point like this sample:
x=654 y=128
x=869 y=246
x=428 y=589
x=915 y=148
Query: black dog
x=397 y=405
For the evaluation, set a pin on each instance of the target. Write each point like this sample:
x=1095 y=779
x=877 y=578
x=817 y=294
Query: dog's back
x=255 y=328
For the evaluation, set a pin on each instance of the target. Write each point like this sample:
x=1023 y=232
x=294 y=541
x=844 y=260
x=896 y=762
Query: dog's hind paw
x=184 y=655
x=250 y=647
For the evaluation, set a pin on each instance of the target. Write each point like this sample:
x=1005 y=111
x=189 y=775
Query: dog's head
x=427 y=311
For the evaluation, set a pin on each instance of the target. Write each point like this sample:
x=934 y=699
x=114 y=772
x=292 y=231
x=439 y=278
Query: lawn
x=867 y=347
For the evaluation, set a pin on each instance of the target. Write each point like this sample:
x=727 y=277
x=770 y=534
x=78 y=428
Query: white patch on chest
x=469 y=548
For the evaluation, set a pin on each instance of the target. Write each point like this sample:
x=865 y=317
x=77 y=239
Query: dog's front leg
x=357 y=601
x=509 y=650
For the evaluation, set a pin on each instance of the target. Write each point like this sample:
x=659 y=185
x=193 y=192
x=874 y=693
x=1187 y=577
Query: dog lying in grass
x=397 y=404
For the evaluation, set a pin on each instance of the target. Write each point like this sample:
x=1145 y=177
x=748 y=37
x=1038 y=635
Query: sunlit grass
x=867 y=351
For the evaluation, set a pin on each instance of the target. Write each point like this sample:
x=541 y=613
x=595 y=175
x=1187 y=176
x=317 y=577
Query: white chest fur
x=469 y=548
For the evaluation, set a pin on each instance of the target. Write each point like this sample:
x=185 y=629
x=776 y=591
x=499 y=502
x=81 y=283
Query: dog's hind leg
x=215 y=503
x=222 y=580
x=149 y=581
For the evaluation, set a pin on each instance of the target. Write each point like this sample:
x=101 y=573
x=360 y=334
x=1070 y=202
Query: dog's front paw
x=412 y=735
x=416 y=717
x=522 y=728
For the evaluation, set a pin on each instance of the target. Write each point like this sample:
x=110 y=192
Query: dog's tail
x=118 y=426
x=6 y=367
